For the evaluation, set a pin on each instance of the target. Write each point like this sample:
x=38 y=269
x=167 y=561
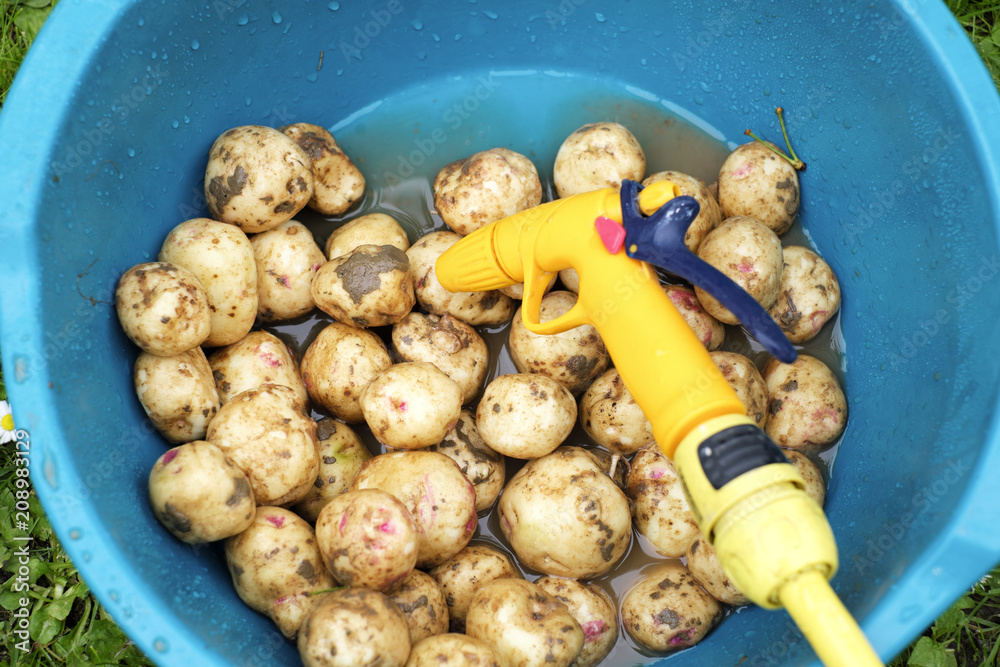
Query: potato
x=222 y=259
x=354 y=626
x=524 y=624
x=808 y=409
x=485 y=187
x=573 y=358
x=423 y=604
x=709 y=330
x=661 y=510
x=593 y=610
x=516 y=291
x=287 y=260
x=177 y=393
x=667 y=610
x=370 y=229
x=256 y=178
x=370 y=286
x=438 y=496
x=268 y=434
x=338 y=184
x=484 y=467
x=755 y=181
x=461 y=576
x=709 y=216
x=750 y=254
x=746 y=381
x=411 y=405
x=275 y=565
x=339 y=364
x=570 y=280
x=473 y=308
x=809 y=294
x=259 y=358
x=199 y=494
x=563 y=515
x=341 y=454
x=454 y=650
x=595 y=156
x=163 y=308
x=815 y=486
x=703 y=563
x=448 y=343
x=367 y=539
x=525 y=415
x=611 y=417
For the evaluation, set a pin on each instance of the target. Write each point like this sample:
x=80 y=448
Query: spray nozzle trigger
x=659 y=240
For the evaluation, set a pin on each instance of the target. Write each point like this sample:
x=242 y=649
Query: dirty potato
x=750 y=254
x=661 y=509
x=815 y=486
x=370 y=286
x=746 y=381
x=709 y=216
x=807 y=408
x=341 y=454
x=484 y=467
x=809 y=294
x=563 y=515
x=593 y=610
x=371 y=229
x=287 y=260
x=448 y=343
x=703 y=563
x=464 y=573
x=441 y=500
x=709 y=330
x=339 y=364
x=163 y=308
x=755 y=181
x=275 y=565
x=596 y=156
x=422 y=602
x=611 y=417
x=526 y=626
x=221 y=257
x=337 y=183
x=525 y=415
x=667 y=610
x=411 y=405
x=268 y=434
x=473 y=308
x=485 y=187
x=259 y=358
x=367 y=539
x=177 y=394
x=454 y=650
x=573 y=357
x=256 y=178
x=199 y=494
x=354 y=626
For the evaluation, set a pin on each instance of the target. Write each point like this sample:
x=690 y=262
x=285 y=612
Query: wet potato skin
x=661 y=510
x=177 y=393
x=808 y=409
x=337 y=183
x=370 y=286
x=354 y=626
x=808 y=297
x=341 y=454
x=464 y=573
x=447 y=342
x=423 y=603
x=667 y=610
x=287 y=261
x=257 y=359
x=592 y=609
x=596 y=156
x=757 y=182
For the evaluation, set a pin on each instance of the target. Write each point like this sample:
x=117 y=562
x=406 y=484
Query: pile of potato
x=365 y=558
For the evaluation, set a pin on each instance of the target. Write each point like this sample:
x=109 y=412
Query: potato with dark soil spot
x=163 y=308
x=464 y=573
x=369 y=229
x=596 y=156
x=593 y=610
x=807 y=408
x=411 y=405
x=610 y=415
x=352 y=627
x=661 y=510
x=809 y=295
x=370 y=286
x=756 y=181
x=259 y=358
x=341 y=454
x=746 y=381
x=454 y=650
x=525 y=415
x=666 y=610
x=709 y=330
x=338 y=183
x=448 y=343
x=177 y=394
x=485 y=467
x=703 y=563
x=423 y=603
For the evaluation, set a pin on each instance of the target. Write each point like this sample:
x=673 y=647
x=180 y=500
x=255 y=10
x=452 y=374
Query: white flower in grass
x=6 y=423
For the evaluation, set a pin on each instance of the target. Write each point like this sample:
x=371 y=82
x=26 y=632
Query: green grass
x=68 y=627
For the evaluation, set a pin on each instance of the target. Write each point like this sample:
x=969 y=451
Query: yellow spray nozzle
x=655 y=195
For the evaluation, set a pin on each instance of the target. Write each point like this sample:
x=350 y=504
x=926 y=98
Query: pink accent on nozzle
x=612 y=234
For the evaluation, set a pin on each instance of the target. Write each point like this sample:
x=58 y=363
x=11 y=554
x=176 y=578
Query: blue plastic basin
x=105 y=137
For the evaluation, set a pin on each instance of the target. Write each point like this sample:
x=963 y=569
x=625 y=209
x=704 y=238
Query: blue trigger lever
x=659 y=240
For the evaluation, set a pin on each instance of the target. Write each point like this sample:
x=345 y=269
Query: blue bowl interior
x=887 y=103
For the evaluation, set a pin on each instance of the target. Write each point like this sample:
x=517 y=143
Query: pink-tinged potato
x=809 y=295
x=709 y=216
x=163 y=308
x=448 y=343
x=411 y=405
x=177 y=394
x=596 y=156
x=341 y=454
x=756 y=181
x=287 y=260
x=593 y=610
x=808 y=409
x=454 y=650
x=666 y=610
x=259 y=358
x=422 y=602
x=354 y=626
x=709 y=330
x=337 y=183
x=527 y=626
x=746 y=381
x=440 y=499
x=367 y=539
x=703 y=563
x=660 y=507
x=610 y=415
x=485 y=187
x=275 y=565
x=464 y=573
